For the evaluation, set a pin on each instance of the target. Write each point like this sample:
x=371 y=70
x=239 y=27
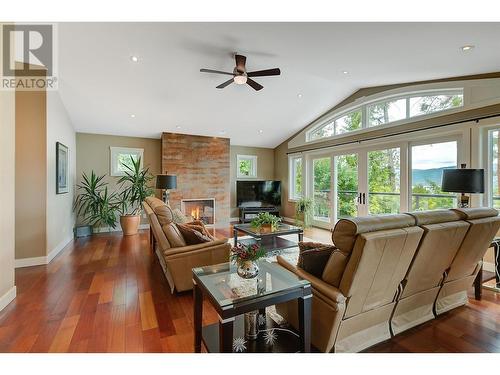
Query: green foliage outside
x=245 y=167
x=383 y=173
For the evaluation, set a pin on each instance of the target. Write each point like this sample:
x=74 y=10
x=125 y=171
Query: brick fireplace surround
x=201 y=165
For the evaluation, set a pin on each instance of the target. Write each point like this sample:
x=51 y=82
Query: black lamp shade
x=463 y=180
x=166 y=181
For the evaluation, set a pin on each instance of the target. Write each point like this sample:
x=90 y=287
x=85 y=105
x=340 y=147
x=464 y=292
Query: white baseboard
x=30 y=262
x=52 y=254
x=41 y=261
x=490 y=267
x=7 y=297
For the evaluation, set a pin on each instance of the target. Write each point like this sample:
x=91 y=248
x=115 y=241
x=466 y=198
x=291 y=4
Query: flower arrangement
x=247 y=253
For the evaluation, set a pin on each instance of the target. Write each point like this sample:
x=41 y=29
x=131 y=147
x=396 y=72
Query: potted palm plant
x=135 y=191
x=94 y=204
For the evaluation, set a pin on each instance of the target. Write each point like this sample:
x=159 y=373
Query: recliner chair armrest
x=187 y=249
x=324 y=288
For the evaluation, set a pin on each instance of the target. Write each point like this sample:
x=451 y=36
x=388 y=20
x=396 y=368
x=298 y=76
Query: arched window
x=389 y=110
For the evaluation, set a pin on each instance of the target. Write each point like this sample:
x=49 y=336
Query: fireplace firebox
x=199 y=209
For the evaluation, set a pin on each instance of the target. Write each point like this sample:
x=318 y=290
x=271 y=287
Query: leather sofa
x=389 y=273
x=177 y=259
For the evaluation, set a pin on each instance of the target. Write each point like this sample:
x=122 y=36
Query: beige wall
x=60 y=216
x=31 y=174
x=7 y=194
x=93 y=153
x=265 y=169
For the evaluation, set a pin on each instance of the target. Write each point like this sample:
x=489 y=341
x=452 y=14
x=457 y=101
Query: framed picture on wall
x=120 y=156
x=62 y=168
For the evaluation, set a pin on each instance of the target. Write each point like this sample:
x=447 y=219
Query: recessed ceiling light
x=261 y=131
x=345 y=72
x=299 y=95
x=467 y=48
x=134 y=58
x=132 y=115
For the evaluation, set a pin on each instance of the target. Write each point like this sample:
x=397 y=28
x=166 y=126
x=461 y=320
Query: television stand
x=247 y=214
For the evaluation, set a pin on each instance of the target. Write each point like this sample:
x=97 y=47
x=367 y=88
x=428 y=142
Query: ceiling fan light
x=240 y=80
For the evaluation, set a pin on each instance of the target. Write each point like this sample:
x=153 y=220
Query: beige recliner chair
x=353 y=301
x=176 y=258
x=484 y=224
x=443 y=235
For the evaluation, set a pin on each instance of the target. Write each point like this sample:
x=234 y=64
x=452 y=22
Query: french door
x=362 y=182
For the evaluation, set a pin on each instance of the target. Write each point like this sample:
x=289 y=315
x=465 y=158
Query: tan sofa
x=392 y=272
x=176 y=257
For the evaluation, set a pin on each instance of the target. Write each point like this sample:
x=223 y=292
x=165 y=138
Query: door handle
x=359 y=198
x=364 y=198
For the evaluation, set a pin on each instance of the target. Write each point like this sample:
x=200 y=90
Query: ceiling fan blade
x=227 y=83
x=263 y=73
x=254 y=84
x=240 y=63
x=216 y=71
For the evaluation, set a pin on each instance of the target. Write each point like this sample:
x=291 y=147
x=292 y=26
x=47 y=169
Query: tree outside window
x=246 y=166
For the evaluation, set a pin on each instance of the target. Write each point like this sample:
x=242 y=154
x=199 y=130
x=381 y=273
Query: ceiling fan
x=241 y=76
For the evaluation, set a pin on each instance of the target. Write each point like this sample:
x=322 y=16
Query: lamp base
x=464 y=201
x=165 y=197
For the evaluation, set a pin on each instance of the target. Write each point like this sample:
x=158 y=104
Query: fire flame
x=195 y=213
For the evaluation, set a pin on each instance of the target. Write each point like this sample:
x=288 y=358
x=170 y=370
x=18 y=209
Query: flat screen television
x=258 y=193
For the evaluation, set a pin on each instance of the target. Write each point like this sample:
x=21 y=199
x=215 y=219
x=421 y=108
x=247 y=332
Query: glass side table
x=232 y=296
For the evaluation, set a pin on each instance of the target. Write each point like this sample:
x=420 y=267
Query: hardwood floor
x=107 y=293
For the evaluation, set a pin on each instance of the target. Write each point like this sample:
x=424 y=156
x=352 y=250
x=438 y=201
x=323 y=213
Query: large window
x=321 y=188
x=296 y=168
x=384 y=181
x=427 y=164
x=388 y=110
x=494 y=175
x=246 y=166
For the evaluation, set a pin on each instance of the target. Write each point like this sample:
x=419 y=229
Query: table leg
x=198 y=313
x=305 y=323
x=301 y=236
x=478 y=281
x=235 y=236
x=226 y=335
x=497 y=261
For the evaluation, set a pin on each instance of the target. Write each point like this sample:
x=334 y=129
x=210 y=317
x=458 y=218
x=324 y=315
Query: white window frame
x=292 y=195
x=253 y=169
x=363 y=107
x=116 y=151
x=488 y=163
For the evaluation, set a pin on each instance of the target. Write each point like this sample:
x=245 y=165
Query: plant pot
x=130 y=224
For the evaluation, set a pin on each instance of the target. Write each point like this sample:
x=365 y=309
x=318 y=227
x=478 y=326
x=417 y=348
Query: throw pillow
x=313 y=257
x=314 y=261
x=179 y=217
x=191 y=235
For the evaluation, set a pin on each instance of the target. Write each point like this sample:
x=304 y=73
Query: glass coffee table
x=269 y=239
x=232 y=296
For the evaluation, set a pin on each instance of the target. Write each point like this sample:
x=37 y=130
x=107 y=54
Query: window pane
x=421 y=105
x=125 y=160
x=383 y=113
x=347 y=185
x=322 y=181
x=322 y=132
x=427 y=165
x=245 y=167
x=495 y=139
x=348 y=123
x=297 y=177
x=384 y=181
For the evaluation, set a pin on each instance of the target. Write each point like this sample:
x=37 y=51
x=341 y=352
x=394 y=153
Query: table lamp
x=166 y=182
x=463 y=180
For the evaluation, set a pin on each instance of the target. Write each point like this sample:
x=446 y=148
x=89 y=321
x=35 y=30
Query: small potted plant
x=136 y=190
x=245 y=257
x=303 y=212
x=266 y=221
x=94 y=204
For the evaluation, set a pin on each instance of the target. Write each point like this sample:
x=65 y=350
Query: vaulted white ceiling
x=101 y=87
